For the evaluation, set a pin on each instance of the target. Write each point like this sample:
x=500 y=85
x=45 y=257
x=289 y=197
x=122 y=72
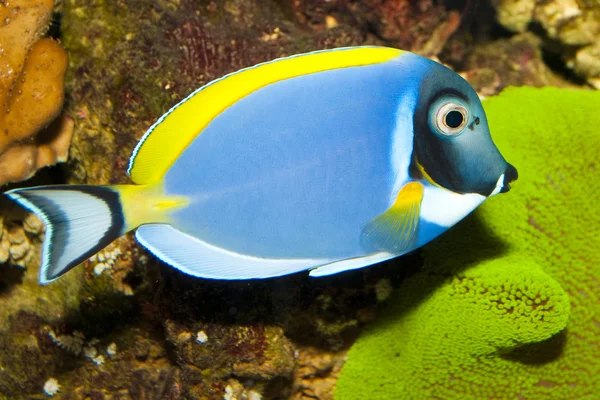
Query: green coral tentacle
x=486 y=318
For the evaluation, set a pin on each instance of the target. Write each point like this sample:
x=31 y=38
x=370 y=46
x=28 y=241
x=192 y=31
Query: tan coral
x=31 y=91
x=316 y=373
x=19 y=232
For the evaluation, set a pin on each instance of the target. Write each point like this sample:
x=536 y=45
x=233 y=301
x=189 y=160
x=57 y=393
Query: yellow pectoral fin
x=395 y=230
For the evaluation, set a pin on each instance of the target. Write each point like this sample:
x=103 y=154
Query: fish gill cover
x=513 y=313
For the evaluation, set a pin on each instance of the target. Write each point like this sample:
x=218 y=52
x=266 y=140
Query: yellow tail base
x=146 y=204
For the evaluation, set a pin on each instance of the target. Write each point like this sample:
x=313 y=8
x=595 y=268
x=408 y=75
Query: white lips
x=499 y=186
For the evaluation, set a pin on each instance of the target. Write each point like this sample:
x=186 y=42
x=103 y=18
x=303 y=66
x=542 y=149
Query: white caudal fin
x=80 y=221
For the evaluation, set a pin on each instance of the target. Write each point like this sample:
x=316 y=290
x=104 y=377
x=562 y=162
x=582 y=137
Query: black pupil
x=454 y=119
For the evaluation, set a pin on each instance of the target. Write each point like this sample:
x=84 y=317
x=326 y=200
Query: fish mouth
x=503 y=185
x=510 y=175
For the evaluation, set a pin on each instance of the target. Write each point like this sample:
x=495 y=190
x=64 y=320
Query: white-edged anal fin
x=395 y=231
x=198 y=258
x=350 y=264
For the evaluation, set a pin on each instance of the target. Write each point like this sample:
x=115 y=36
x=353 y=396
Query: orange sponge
x=31 y=91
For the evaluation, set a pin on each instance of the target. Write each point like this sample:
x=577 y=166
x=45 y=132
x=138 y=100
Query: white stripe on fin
x=350 y=264
x=198 y=258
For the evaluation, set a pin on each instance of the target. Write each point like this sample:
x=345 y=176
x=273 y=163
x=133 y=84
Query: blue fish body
x=299 y=166
x=327 y=170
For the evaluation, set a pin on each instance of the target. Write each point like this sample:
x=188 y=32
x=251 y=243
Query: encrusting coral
x=485 y=319
x=31 y=91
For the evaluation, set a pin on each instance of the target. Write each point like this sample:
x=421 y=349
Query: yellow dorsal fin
x=174 y=131
x=395 y=231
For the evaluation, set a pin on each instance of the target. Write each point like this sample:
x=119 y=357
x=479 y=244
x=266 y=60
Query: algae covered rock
x=486 y=318
x=514 y=61
x=422 y=27
x=250 y=352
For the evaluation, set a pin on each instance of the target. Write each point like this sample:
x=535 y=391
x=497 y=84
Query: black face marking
x=464 y=162
x=450 y=91
x=476 y=121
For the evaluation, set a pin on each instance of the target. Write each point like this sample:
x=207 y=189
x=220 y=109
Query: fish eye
x=451 y=118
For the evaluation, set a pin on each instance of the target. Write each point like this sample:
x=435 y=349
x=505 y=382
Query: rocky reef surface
x=569 y=29
x=123 y=325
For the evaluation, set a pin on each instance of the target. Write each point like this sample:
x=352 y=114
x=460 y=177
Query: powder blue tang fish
x=326 y=161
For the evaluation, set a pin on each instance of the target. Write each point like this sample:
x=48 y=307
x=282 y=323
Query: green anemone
x=507 y=306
